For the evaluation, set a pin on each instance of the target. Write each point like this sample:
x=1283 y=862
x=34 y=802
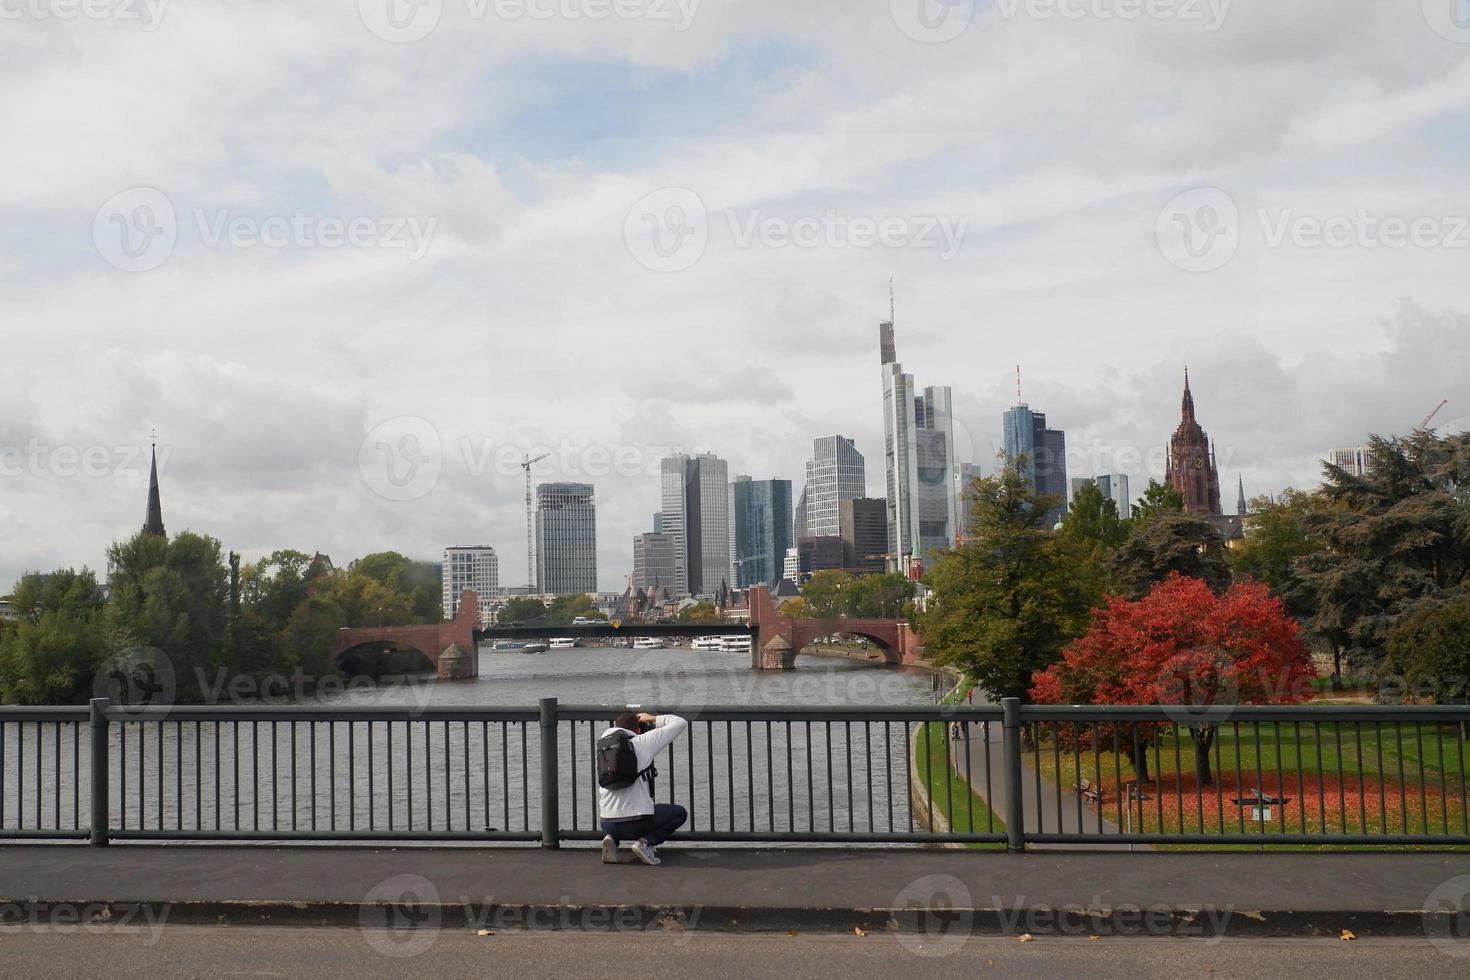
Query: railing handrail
x=45 y=712
x=1184 y=714
x=1003 y=758
x=1221 y=713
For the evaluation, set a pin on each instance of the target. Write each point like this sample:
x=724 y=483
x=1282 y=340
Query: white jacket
x=635 y=801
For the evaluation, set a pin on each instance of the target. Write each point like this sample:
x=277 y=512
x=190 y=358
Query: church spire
x=153 y=523
x=1240 y=505
x=1187 y=408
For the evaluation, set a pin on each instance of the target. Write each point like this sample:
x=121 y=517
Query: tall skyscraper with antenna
x=919 y=458
x=1040 y=452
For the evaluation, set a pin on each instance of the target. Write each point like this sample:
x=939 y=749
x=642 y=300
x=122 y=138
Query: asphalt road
x=324 y=954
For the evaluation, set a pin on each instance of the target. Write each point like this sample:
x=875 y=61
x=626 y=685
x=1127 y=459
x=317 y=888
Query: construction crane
x=1430 y=417
x=530 y=563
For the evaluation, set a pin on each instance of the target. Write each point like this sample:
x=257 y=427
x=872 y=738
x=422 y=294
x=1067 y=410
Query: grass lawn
x=1337 y=778
x=965 y=810
x=935 y=753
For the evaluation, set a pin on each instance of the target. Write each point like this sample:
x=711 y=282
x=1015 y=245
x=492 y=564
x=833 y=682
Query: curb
x=1069 y=921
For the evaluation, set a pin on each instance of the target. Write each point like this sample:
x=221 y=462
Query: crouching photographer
x=625 y=774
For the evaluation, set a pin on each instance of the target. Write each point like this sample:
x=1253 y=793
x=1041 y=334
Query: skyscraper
x=1042 y=453
x=761 y=516
x=1354 y=462
x=962 y=502
x=864 y=532
x=1191 y=467
x=835 y=473
x=1114 y=487
x=653 y=561
x=566 y=539
x=918 y=459
x=696 y=516
x=475 y=569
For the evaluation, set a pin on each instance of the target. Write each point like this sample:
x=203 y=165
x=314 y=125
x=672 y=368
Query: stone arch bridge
x=453 y=646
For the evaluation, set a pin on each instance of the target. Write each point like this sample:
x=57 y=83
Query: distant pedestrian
x=625 y=775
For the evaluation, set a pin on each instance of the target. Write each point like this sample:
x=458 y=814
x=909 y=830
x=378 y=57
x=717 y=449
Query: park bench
x=1089 y=792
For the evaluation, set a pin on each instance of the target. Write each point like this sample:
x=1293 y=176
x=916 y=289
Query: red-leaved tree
x=1183 y=645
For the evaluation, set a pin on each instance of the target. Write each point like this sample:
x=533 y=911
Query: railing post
x=1011 y=754
x=550 y=778
x=100 y=808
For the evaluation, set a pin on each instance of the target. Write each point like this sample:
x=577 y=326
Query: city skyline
x=615 y=580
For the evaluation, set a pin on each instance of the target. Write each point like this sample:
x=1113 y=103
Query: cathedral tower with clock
x=1191 y=468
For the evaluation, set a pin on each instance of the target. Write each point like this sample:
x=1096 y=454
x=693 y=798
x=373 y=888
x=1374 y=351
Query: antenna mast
x=892 y=314
x=1018 y=385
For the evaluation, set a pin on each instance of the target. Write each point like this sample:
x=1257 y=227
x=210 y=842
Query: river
x=467 y=777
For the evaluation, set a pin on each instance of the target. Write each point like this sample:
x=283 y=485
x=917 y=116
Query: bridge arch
x=434 y=640
x=398 y=651
x=895 y=638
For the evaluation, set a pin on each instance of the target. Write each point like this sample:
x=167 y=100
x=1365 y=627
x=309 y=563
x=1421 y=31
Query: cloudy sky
x=353 y=258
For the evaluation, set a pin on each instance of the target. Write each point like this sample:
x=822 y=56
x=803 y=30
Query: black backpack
x=617 y=762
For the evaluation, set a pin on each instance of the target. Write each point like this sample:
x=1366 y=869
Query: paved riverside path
x=1052 y=799
x=723 y=889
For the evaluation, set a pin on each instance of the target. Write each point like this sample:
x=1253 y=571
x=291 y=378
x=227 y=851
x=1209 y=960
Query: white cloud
x=528 y=322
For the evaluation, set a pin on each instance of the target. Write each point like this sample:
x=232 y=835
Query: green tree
x=51 y=654
x=885 y=596
x=172 y=595
x=1394 y=541
x=522 y=609
x=309 y=632
x=565 y=608
x=1166 y=542
x=700 y=612
x=1094 y=518
x=1432 y=649
x=1003 y=604
x=823 y=592
x=1276 y=537
x=1158 y=498
x=274 y=586
x=419 y=581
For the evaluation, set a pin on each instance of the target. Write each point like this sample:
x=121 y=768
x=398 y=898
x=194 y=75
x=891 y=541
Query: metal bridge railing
x=1010 y=773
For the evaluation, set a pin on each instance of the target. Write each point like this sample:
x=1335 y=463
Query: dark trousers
x=666 y=818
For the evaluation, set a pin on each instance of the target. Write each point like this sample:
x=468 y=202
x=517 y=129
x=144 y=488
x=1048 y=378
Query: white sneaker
x=644 y=852
x=609 y=850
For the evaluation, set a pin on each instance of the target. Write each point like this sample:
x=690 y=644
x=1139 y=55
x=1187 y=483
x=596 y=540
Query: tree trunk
x=1140 y=762
x=1336 y=667
x=1203 y=738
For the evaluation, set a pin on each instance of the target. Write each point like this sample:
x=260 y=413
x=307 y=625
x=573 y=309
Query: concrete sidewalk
x=811 y=889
